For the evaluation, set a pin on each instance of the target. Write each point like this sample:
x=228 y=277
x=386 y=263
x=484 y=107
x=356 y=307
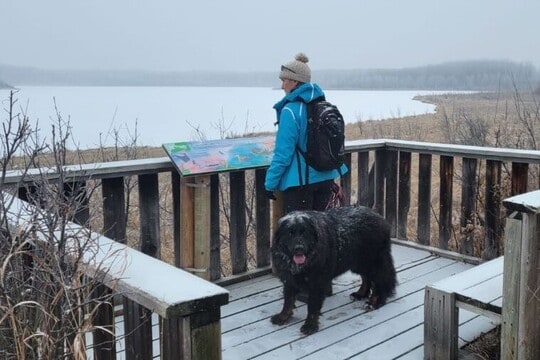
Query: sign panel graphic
x=202 y=157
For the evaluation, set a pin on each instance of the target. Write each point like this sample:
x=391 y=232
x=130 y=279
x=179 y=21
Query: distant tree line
x=469 y=75
x=465 y=75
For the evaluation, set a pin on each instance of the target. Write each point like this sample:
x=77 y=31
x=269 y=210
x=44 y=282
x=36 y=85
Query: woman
x=288 y=167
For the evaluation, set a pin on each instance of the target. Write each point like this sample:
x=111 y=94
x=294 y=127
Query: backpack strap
x=298 y=151
x=309 y=111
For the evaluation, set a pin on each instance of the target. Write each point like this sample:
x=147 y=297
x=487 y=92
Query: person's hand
x=270 y=195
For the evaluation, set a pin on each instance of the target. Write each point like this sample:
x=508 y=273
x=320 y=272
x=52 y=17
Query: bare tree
x=47 y=304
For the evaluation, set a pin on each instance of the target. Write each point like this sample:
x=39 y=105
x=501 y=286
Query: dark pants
x=308 y=197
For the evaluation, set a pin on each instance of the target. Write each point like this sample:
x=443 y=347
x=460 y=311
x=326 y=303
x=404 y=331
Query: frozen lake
x=157 y=115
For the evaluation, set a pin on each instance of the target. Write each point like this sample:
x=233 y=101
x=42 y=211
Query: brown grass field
x=485 y=119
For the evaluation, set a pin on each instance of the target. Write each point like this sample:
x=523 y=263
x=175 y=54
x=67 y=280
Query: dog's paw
x=373 y=303
x=357 y=296
x=309 y=328
x=368 y=307
x=280 y=319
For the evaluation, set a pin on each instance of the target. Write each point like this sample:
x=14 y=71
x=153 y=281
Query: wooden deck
x=347 y=331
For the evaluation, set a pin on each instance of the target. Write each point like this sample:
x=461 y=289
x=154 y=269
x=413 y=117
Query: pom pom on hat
x=297 y=69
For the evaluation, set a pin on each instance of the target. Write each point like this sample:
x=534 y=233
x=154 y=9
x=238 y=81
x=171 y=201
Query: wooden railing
x=520 y=327
x=397 y=178
x=188 y=307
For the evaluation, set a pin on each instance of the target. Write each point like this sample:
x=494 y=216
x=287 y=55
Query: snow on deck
x=346 y=329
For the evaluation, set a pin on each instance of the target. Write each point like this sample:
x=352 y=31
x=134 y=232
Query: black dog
x=310 y=248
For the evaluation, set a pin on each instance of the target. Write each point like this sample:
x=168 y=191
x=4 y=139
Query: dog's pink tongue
x=299 y=259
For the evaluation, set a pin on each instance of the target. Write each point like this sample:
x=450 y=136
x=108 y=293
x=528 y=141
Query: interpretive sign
x=203 y=157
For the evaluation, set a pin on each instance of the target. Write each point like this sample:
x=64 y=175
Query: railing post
x=363 y=188
x=424 y=199
x=468 y=221
x=263 y=220
x=114 y=227
x=492 y=228
x=77 y=192
x=520 y=178
x=520 y=327
x=196 y=230
x=445 y=198
x=202 y=226
x=238 y=222
x=149 y=215
x=215 y=241
x=380 y=156
x=391 y=189
x=187 y=231
x=404 y=193
x=137 y=318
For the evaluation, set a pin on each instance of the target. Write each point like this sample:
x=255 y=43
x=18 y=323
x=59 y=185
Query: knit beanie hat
x=297 y=69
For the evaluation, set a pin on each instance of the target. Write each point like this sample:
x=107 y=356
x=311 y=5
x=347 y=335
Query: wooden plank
x=237 y=230
x=103 y=336
x=490 y=310
x=486 y=291
x=262 y=230
x=405 y=256
x=205 y=336
x=114 y=209
x=77 y=194
x=337 y=309
x=520 y=177
x=440 y=324
x=529 y=290
x=404 y=193
x=177 y=209
x=492 y=226
x=202 y=225
x=356 y=345
x=255 y=286
x=440 y=252
x=163 y=164
x=287 y=342
x=149 y=214
x=478 y=289
x=468 y=221
x=114 y=227
x=215 y=236
x=135 y=275
x=393 y=347
x=410 y=264
x=424 y=199
x=391 y=191
x=479 y=152
x=363 y=179
x=104 y=170
x=345 y=180
x=380 y=158
x=137 y=331
x=187 y=223
x=175 y=339
x=471 y=277
x=445 y=198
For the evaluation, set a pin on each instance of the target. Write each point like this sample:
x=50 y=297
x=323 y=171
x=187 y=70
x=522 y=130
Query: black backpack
x=325 y=136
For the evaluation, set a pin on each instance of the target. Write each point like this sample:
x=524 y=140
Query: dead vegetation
x=484 y=119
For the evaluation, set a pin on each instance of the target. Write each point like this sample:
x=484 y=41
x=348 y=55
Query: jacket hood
x=305 y=93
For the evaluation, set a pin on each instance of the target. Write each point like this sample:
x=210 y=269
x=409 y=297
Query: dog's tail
x=387 y=278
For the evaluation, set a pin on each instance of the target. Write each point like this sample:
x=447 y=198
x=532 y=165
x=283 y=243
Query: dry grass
x=455 y=121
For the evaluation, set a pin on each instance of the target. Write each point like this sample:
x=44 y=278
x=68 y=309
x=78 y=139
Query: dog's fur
x=310 y=248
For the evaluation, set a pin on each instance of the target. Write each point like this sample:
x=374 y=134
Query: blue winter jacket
x=292 y=125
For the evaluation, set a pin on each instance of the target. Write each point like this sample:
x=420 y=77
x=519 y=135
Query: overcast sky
x=256 y=35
